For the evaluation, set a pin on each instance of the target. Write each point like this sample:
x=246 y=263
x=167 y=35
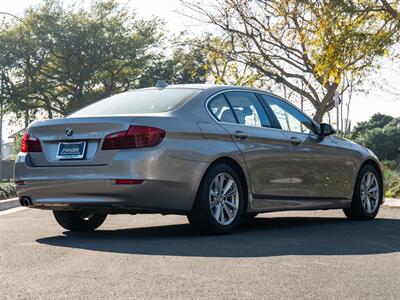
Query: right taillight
x=30 y=143
x=134 y=137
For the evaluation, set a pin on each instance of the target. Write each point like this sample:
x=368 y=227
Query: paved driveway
x=278 y=255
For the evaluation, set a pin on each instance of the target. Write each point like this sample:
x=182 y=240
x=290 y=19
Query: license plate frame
x=74 y=154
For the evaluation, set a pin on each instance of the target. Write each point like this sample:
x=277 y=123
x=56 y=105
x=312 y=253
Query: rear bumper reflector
x=129 y=181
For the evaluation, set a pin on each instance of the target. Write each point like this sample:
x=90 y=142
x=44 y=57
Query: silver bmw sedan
x=214 y=153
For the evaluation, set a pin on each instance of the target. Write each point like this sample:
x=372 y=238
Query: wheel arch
x=240 y=172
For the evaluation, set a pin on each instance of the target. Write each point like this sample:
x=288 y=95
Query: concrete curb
x=391 y=202
x=9 y=203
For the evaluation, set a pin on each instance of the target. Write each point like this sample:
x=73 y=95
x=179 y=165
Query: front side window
x=289 y=118
x=248 y=109
x=139 y=102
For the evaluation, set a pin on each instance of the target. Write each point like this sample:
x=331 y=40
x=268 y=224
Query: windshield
x=139 y=102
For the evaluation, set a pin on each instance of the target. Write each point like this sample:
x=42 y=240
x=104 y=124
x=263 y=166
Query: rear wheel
x=367 y=196
x=219 y=201
x=78 y=220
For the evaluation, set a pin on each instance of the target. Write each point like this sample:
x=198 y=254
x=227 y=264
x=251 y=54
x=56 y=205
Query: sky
x=375 y=100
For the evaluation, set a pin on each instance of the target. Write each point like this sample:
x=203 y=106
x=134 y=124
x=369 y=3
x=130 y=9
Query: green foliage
x=394 y=191
x=381 y=134
x=306 y=46
x=59 y=58
x=377 y=121
x=385 y=142
x=391 y=171
x=7 y=190
x=17 y=143
x=186 y=64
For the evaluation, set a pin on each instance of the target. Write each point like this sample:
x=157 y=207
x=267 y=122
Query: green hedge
x=7 y=190
x=385 y=142
x=391 y=171
x=381 y=134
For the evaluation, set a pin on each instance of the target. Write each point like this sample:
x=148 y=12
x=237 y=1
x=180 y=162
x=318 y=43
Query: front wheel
x=79 y=220
x=367 y=196
x=219 y=201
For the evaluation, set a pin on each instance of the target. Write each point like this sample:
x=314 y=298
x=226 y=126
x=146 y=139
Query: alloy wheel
x=224 y=198
x=369 y=192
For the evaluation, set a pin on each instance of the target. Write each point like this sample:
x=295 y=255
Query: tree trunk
x=390 y=9
x=326 y=104
x=348 y=125
x=48 y=106
x=26 y=118
x=319 y=114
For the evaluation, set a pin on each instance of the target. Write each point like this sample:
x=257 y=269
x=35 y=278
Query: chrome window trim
x=257 y=92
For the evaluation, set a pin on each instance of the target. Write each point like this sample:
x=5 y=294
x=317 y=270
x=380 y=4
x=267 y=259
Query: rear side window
x=221 y=110
x=139 y=102
x=248 y=109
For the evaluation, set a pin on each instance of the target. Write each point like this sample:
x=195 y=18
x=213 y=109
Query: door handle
x=295 y=140
x=240 y=135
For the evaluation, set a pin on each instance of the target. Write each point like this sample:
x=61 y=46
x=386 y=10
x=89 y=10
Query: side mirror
x=326 y=129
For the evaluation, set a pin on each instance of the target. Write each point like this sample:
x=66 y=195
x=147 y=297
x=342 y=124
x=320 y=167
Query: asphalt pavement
x=314 y=255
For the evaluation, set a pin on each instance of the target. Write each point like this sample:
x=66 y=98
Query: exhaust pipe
x=25 y=201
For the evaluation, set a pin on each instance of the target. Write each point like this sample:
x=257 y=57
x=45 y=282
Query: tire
x=249 y=215
x=214 y=213
x=79 y=221
x=359 y=208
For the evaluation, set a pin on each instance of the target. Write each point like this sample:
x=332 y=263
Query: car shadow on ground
x=259 y=237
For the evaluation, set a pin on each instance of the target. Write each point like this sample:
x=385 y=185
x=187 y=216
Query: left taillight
x=30 y=143
x=134 y=137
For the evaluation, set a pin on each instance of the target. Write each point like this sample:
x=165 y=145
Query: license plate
x=73 y=150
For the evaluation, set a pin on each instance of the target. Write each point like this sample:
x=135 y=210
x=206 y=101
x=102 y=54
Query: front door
x=321 y=169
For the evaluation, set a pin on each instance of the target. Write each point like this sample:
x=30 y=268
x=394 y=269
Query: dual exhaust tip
x=25 y=201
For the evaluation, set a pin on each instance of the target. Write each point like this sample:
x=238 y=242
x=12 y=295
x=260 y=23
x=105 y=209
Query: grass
x=391 y=171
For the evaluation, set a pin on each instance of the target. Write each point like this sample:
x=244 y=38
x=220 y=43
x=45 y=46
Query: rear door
x=266 y=150
x=320 y=167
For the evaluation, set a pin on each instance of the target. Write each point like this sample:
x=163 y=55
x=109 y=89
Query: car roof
x=214 y=87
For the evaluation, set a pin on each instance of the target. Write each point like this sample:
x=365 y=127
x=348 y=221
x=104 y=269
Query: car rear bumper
x=95 y=188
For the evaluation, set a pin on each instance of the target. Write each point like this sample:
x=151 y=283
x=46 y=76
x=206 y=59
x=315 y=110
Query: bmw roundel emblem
x=69 y=131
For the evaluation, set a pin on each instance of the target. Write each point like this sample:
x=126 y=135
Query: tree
x=199 y=60
x=222 y=69
x=381 y=133
x=186 y=64
x=376 y=121
x=59 y=59
x=392 y=8
x=306 y=46
x=385 y=142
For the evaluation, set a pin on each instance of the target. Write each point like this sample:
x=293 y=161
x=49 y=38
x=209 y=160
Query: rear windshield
x=139 y=102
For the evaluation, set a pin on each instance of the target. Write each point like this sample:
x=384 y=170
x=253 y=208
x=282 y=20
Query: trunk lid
x=90 y=130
